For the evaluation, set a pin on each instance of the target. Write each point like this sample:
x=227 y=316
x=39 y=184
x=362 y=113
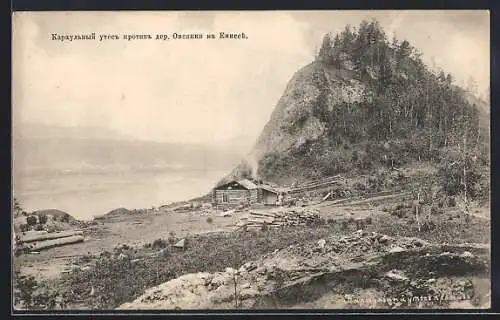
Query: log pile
x=291 y=217
x=52 y=243
x=36 y=241
x=41 y=235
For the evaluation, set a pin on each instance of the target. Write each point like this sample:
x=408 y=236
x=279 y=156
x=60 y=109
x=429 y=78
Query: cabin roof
x=268 y=188
x=250 y=185
x=245 y=183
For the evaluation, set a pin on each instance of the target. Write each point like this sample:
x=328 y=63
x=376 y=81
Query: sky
x=204 y=91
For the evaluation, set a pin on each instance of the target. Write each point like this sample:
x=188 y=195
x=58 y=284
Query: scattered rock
x=396 y=275
x=246 y=285
x=466 y=254
x=181 y=244
x=249 y=266
x=419 y=243
x=123 y=256
x=396 y=249
x=322 y=243
x=231 y=271
x=383 y=239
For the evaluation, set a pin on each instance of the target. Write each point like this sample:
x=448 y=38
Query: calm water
x=84 y=195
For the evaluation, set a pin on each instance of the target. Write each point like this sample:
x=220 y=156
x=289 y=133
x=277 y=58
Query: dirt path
x=131 y=230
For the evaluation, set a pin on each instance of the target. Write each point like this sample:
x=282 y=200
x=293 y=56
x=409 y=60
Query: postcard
x=251 y=160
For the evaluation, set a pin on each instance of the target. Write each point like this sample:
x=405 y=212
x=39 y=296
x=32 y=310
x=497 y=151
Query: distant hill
x=42 y=149
x=42 y=131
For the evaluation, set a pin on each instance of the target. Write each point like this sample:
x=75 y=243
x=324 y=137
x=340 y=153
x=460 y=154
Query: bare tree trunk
x=157 y=269
x=465 y=175
x=416 y=211
x=445 y=133
x=411 y=114
x=235 y=292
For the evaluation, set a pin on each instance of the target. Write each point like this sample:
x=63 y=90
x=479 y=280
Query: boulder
x=322 y=243
x=181 y=244
x=396 y=275
x=466 y=254
x=396 y=249
x=383 y=239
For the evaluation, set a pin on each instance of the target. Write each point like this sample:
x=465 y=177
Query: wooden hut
x=244 y=191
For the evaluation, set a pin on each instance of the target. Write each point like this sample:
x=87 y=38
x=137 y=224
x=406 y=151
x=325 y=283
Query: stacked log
x=43 y=240
x=256 y=220
x=48 y=236
x=47 y=244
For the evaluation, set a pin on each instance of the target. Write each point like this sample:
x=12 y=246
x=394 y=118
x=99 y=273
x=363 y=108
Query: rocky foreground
x=361 y=270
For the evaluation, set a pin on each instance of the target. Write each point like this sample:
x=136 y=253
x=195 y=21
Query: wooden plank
x=260 y=221
x=327 y=196
x=42 y=245
x=262 y=214
x=48 y=236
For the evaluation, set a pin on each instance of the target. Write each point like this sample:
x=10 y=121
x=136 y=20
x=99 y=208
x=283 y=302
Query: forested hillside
x=368 y=102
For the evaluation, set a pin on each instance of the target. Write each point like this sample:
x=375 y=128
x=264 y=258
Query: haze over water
x=84 y=195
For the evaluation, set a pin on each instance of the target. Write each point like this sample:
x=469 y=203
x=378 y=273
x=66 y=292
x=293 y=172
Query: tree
x=17 y=208
x=472 y=86
x=336 y=50
x=487 y=95
x=347 y=37
x=449 y=79
x=404 y=50
x=325 y=52
x=386 y=73
x=442 y=76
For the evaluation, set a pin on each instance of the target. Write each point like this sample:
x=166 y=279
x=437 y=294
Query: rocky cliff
x=364 y=103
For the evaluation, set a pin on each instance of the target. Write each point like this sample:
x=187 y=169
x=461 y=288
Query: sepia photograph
x=251 y=160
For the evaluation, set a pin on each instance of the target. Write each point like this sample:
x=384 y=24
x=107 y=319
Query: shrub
x=343 y=225
x=434 y=210
x=400 y=213
x=264 y=227
x=159 y=244
x=171 y=237
x=39 y=227
x=428 y=225
x=210 y=220
x=452 y=202
x=359 y=186
x=369 y=220
x=31 y=220
x=42 y=219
